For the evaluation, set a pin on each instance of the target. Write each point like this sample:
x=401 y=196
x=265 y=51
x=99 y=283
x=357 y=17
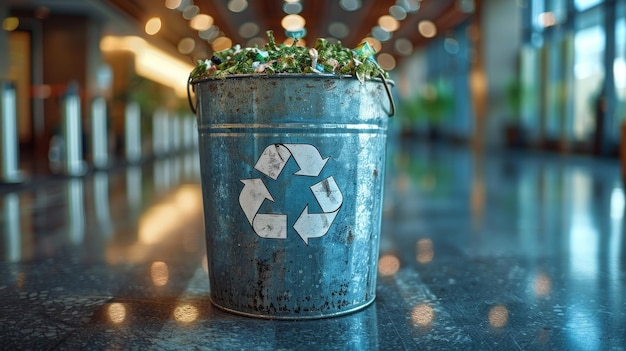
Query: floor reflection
x=102 y=204
x=75 y=210
x=501 y=250
x=12 y=228
x=538 y=238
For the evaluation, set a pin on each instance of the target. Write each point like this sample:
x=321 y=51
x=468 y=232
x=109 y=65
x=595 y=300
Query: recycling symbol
x=326 y=192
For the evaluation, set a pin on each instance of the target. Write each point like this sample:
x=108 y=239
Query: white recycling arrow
x=271 y=163
x=274 y=157
x=313 y=225
x=272 y=160
x=327 y=194
x=252 y=196
x=272 y=226
x=308 y=159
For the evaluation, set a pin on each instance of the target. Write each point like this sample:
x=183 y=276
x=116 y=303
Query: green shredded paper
x=323 y=58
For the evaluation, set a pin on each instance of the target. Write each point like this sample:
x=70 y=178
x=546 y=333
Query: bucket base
x=298 y=317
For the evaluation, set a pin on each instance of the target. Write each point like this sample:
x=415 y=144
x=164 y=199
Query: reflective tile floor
x=500 y=251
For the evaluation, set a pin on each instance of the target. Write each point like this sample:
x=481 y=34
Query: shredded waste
x=323 y=58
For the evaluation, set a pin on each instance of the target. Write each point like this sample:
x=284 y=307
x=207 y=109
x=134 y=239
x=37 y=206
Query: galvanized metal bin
x=292 y=173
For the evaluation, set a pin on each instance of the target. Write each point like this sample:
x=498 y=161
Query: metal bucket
x=292 y=178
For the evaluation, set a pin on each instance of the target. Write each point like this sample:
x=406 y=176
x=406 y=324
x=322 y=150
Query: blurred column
x=9 y=150
x=134 y=189
x=101 y=203
x=12 y=227
x=174 y=132
x=188 y=132
x=72 y=132
x=133 y=132
x=99 y=133
x=611 y=119
x=159 y=133
x=76 y=210
x=478 y=80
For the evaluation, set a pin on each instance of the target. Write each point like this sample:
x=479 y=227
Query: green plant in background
x=432 y=104
x=437 y=102
x=514 y=99
x=516 y=95
x=150 y=96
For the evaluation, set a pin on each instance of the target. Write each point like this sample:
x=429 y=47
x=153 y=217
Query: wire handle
x=191 y=106
x=392 y=111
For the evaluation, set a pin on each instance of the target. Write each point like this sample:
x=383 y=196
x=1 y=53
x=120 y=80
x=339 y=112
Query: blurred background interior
x=536 y=74
x=504 y=207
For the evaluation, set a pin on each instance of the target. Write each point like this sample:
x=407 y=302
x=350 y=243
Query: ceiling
x=319 y=14
x=129 y=17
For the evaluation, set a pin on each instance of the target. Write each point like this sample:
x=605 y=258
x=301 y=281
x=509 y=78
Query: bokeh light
x=153 y=26
x=498 y=316
x=388 y=264
x=422 y=315
x=427 y=29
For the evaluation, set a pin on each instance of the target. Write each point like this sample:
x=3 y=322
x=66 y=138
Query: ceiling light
x=403 y=46
x=210 y=34
x=292 y=8
x=190 y=11
x=10 y=23
x=219 y=35
x=186 y=46
x=427 y=29
x=388 y=23
x=338 y=30
x=293 y=22
x=350 y=5
x=153 y=26
x=151 y=62
x=409 y=5
x=397 y=12
x=221 y=43
x=172 y=4
x=237 y=5
x=386 y=61
x=201 y=22
x=380 y=33
x=183 y=4
x=249 y=29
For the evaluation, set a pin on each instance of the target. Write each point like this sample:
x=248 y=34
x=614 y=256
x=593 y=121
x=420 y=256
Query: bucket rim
x=287 y=76
x=311 y=76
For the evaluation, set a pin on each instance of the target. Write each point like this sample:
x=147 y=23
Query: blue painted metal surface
x=292 y=175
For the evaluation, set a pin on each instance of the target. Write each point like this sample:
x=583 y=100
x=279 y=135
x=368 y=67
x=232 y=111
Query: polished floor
x=503 y=250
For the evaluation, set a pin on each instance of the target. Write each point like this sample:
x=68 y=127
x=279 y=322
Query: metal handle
x=392 y=111
x=191 y=106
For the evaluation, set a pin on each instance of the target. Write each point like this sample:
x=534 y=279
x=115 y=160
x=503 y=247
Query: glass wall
x=570 y=68
x=589 y=50
x=574 y=54
x=619 y=67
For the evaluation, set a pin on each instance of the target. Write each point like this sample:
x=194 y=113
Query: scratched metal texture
x=302 y=275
